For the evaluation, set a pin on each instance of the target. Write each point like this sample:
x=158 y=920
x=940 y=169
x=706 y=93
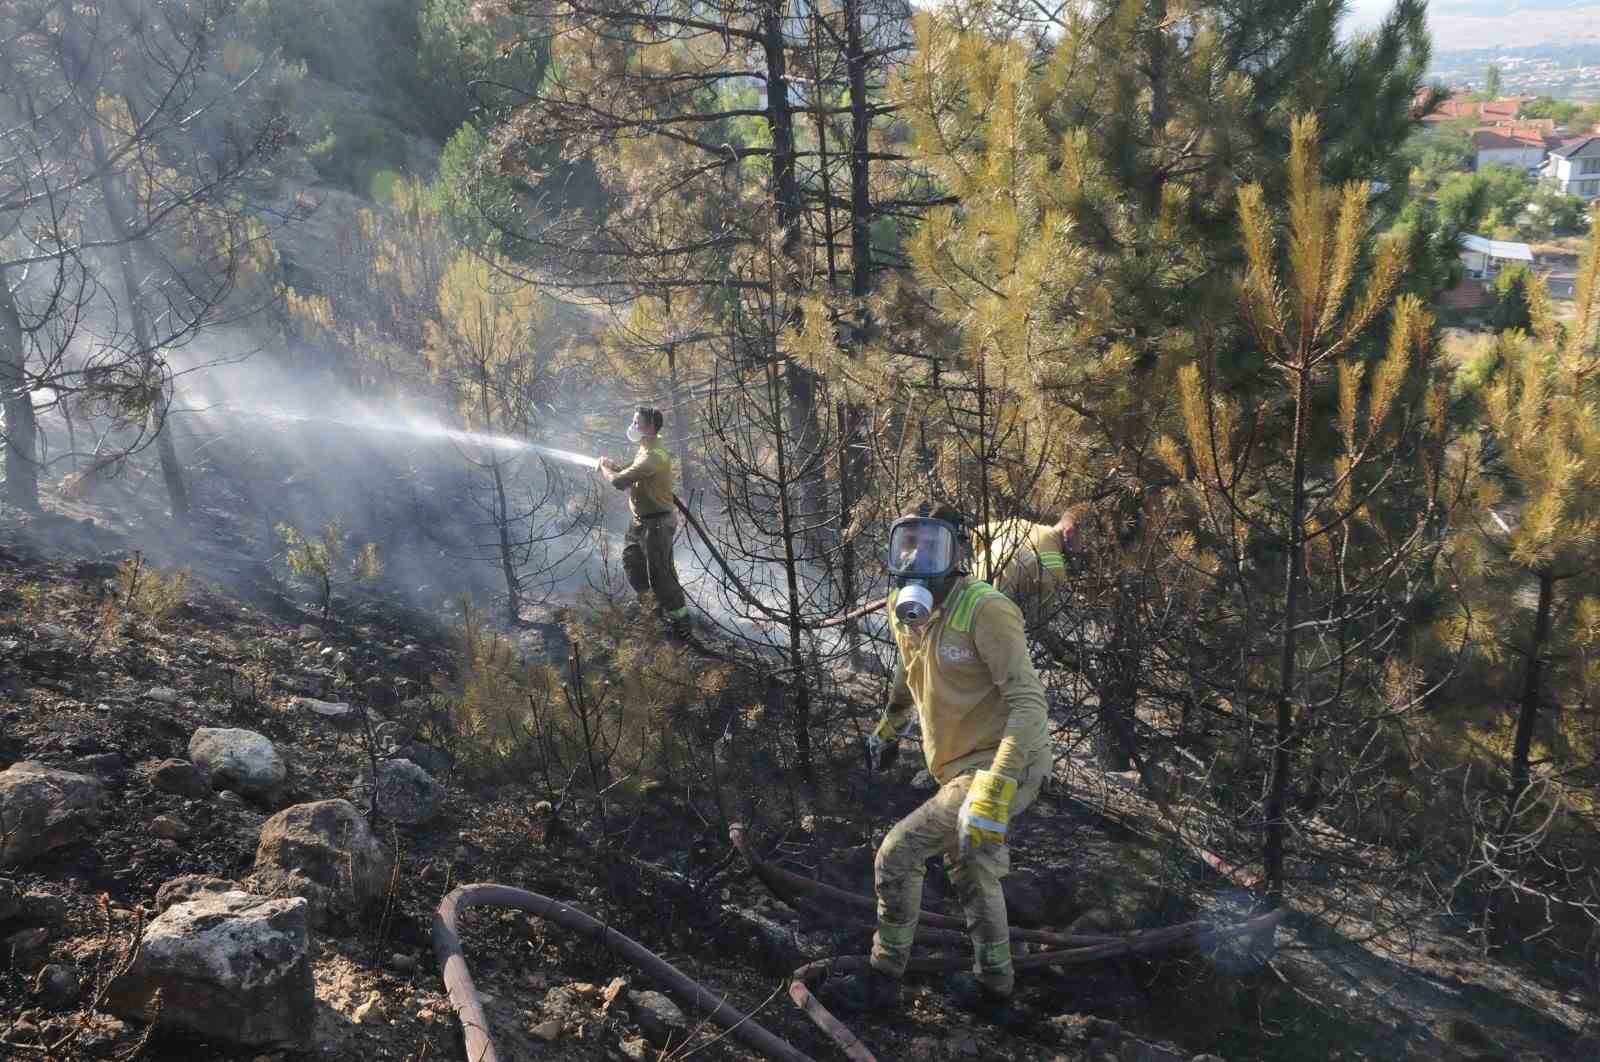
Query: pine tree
x=482 y=351
x=1319 y=536
x=1523 y=557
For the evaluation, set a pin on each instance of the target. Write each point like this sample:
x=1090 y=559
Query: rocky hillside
x=195 y=775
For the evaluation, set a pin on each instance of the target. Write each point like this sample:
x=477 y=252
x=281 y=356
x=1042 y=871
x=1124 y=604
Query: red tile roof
x=1505 y=108
x=1467 y=295
x=1510 y=136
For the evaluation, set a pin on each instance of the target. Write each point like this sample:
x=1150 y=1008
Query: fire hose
x=1071 y=949
x=469 y=1007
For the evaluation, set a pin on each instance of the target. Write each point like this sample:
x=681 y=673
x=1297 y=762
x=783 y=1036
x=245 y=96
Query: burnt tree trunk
x=21 y=434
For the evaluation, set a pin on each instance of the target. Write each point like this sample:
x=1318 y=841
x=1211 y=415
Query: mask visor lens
x=920 y=548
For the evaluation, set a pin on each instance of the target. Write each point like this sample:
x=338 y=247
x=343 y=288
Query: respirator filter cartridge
x=913 y=604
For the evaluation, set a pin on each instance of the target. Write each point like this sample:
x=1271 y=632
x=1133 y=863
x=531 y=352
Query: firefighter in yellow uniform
x=1025 y=561
x=647 y=549
x=965 y=675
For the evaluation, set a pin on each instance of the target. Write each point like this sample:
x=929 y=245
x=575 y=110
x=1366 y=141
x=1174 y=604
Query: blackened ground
x=654 y=862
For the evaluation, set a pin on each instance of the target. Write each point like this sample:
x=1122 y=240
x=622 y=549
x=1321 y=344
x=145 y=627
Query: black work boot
x=978 y=999
x=861 y=992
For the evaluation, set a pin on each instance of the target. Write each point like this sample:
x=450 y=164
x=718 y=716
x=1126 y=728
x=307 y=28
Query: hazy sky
x=1534 y=23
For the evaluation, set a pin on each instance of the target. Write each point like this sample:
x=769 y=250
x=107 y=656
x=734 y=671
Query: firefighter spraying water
x=647 y=556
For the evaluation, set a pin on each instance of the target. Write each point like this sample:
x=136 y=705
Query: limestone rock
x=241 y=760
x=181 y=778
x=44 y=809
x=325 y=852
x=407 y=793
x=336 y=713
x=189 y=887
x=229 y=966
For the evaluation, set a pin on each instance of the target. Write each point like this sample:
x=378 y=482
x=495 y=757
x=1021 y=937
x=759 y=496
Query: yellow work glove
x=883 y=744
x=986 y=811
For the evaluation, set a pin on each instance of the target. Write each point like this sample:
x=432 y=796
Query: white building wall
x=1576 y=176
x=1520 y=158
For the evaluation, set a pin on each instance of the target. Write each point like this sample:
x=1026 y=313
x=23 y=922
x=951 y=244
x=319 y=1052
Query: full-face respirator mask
x=924 y=554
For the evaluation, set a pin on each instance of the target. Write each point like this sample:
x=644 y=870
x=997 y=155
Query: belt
x=654 y=516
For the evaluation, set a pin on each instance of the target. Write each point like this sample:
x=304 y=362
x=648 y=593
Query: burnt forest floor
x=75 y=692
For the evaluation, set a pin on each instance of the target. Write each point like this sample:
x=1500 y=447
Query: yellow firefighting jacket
x=968 y=674
x=648 y=482
x=1022 y=560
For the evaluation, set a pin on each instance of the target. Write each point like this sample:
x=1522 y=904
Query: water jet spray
x=428 y=430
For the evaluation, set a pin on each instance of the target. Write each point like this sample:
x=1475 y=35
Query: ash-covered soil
x=99 y=690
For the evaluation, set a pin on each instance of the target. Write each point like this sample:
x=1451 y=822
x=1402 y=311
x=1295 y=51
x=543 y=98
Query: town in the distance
x=1512 y=160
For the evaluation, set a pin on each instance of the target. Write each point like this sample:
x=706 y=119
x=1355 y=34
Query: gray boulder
x=406 y=793
x=325 y=852
x=241 y=760
x=44 y=809
x=229 y=966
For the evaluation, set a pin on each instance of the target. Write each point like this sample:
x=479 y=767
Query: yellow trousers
x=899 y=868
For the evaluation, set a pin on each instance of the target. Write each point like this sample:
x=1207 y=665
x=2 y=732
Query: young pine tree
x=1314 y=490
x=1524 y=556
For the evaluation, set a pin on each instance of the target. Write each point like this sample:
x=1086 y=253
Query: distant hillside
x=1445 y=9
x=1485 y=24
x=1563 y=53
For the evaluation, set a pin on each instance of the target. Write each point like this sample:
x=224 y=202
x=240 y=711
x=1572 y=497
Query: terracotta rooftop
x=1510 y=136
x=1504 y=108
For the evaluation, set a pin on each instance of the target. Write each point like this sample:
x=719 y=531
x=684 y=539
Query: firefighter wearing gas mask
x=964 y=673
x=647 y=547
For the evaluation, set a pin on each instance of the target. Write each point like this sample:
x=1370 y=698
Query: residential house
x=1574 y=167
x=1485 y=258
x=1504 y=109
x=1520 y=145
